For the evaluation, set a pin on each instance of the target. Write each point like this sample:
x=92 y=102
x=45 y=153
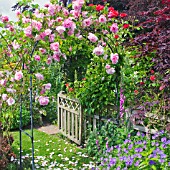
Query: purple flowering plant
x=138 y=152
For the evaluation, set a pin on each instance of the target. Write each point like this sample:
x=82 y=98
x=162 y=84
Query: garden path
x=49 y=129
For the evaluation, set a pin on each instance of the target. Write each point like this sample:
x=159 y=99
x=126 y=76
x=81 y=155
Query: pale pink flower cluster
x=110 y=70
x=87 y=22
x=39 y=76
x=10 y=101
x=18 y=75
x=52 y=9
x=98 y=50
x=60 y=29
x=36 y=24
x=38 y=14
x=47 y=86
x=10 y=90
x=77 y=5
x=93 y=38
x=4 y=97
x=48 y=32
x=15 y=45
x=43 y=100
x=3 y=82
x=114 y=58
x=114 y=28
x=28 y=31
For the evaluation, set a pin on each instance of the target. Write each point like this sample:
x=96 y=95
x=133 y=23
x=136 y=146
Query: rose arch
x=43 y=36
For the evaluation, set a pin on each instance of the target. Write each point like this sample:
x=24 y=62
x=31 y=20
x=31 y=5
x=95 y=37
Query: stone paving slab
x=49 y=129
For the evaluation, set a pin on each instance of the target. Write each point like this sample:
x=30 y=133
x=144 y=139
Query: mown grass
x=51 y=152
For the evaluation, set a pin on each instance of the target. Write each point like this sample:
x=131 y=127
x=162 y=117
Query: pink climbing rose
x=102 y=19
x=110 y=70
x=37 y=57
x=114 y=58
x=39 y=76
x=99 y=50
x=47 y=86
x=54 y=46
x=10 y=101
x=43 y=100
x=92 y=37
x=18 y=75
x=4 y=97
x=114 y=28
x=60 y=29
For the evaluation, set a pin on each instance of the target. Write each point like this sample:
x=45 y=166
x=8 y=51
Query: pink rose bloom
x=114 y=28
x=4 y=97
x=15 y=45
x=28 y=31
x=4 y=19
x=70 y=32
x=102 y=19
x=10 y=101
x=54 y=46
x=60 y=29
x=65 y=12
x=107 y=66
x=18 y=75
x=43 y=100
x=42 y=91
x=18 y=13
x=25 y=20
x=70 y=49
x=42 y=50
x=3 y=82
x=42 y=35
x=49 y=61
x=39 y=76
x=51 y=37
x=87 y=22
x=105 y=57
x=105 y=32
x=68 y=23
x=51 y=9
x=48 y=32
x=92 y=37
x=12 y=79
x=56 y=57
x=84 y=14
x=76 y=14
x=9 y=90
x=37 y=57
x=37 y=25
x=80 y=37
x=98 y=50
x=114 y=58
x=110 y=70
x=47 y=86
x=59 y=19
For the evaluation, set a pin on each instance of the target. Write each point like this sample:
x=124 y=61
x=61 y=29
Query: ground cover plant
x=138 y=152
x=51 y=152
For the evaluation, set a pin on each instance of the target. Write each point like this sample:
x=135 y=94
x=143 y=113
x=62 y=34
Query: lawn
x=51 y=152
